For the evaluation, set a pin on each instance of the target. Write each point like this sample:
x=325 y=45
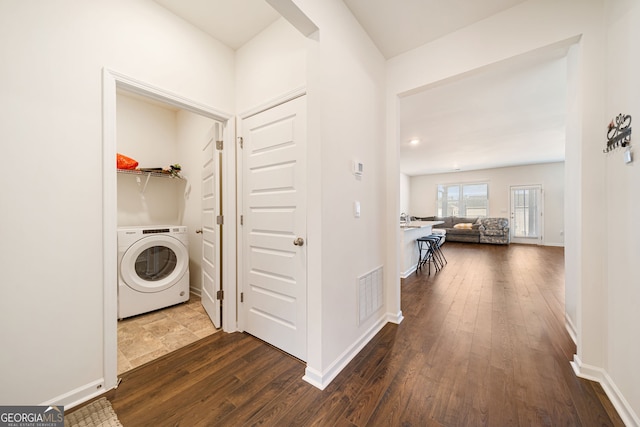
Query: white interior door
x=211 y=231
x=526 y=214
x=274 y=292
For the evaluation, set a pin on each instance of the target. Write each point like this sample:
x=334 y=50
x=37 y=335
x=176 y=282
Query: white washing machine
x=153 y=268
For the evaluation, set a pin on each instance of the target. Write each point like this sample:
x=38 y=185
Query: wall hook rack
x=618 y=132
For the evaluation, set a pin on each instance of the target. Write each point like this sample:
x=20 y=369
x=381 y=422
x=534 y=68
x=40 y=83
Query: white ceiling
x=394 y=26
x=233 y=22
x=401 y=25
x=512 y=113
x=508 y=114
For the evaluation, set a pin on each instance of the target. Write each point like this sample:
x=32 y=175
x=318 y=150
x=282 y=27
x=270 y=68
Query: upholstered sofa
x=473 y=230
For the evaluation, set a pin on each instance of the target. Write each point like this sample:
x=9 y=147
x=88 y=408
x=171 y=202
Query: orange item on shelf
x=124 y=162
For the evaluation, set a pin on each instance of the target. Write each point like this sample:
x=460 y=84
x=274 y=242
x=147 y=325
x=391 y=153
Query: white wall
x=157 y=201
x=623 y=204
x=51 y=125
x=405 y=193
x=549 y=175
x=343 y=74
x=345 y=80
x=147 y=133
x=572 y=199
x=271 y=65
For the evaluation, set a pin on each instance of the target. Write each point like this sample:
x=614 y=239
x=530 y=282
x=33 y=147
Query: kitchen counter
x=409 y=248
x=419 y=224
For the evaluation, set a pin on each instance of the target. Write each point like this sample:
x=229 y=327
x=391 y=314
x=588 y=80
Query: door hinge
x=241 y=219
x=241 y=141
x=220 y=294
x=219 y=145
x=220 y=219
x=241 y=296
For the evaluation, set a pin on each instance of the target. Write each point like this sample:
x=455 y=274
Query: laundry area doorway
x=168 y=211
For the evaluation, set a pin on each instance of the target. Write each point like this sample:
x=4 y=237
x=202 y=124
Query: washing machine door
x=154 y=263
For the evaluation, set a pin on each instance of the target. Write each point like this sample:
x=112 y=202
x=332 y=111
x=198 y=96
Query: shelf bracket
x=146 y=182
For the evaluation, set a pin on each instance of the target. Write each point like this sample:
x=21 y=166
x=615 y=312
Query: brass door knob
x=299 y=241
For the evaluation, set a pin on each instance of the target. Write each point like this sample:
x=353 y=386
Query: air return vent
x=370 y=294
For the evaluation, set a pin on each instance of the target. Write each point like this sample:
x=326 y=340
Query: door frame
x=540 y=214
x=289 y=96
x=111 y=82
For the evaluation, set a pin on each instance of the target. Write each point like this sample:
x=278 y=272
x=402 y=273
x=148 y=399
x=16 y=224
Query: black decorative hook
x=619 y=132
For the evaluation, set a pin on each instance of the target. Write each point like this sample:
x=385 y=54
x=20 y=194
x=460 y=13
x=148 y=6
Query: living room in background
x=463 y=200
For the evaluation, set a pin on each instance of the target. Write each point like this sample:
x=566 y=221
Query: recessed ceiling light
x=414 y=141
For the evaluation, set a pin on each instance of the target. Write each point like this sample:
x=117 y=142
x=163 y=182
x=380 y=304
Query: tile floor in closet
x=148 y=336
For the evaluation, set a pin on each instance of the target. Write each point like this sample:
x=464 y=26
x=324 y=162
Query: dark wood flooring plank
x=174 y=382
x=364 y=404
x=272 y=412
x=483 y=343
x=257 y=396
x=350 y=383
x=404 y=400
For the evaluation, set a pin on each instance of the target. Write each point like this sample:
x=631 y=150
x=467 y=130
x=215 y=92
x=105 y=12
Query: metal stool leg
x=424 y=245
x=437 y=256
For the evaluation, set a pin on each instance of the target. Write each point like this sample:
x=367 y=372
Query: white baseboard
x=195 y=291
x=79 y=395
x=314 y=378
x=593 y=373
x=322 y=379
x=396 y=318
x=559 y=245
x=408 y=272
x=571 y=328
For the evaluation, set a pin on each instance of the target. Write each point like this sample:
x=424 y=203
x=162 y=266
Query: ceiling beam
x=296 y=17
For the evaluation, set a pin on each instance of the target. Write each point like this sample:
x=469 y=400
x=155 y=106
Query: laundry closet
x=148 y=133
x=159 y=215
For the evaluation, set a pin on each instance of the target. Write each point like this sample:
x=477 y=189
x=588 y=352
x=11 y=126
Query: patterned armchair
x=494 y=230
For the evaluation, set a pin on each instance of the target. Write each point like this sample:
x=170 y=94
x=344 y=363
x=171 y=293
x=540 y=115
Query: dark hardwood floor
x=483 y=342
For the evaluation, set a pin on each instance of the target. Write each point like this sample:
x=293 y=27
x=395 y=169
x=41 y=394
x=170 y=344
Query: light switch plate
x=356 y=209
x=358 y=168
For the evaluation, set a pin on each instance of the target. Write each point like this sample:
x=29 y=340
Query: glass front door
x=526 y=214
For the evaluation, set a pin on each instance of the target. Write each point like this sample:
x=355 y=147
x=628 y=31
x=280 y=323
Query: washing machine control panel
x=157 y=230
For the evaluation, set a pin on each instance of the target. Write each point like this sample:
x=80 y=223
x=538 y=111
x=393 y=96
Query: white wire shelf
x=148 y=174
x=159 y=174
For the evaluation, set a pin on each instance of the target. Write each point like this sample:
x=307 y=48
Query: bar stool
x=441 y=239
x=428 y=245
